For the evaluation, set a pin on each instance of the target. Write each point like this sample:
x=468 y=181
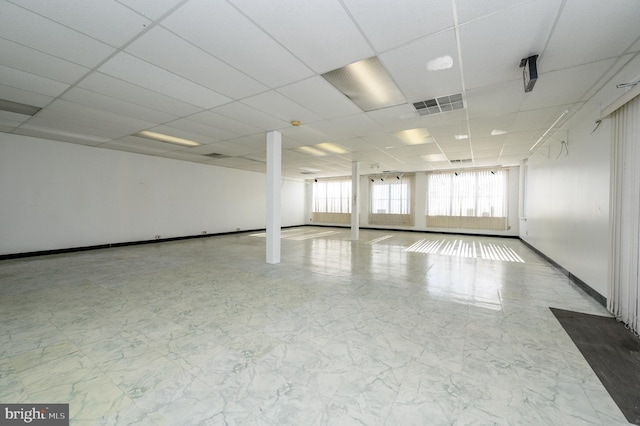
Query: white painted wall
x=56 y=195
x=420 y=203
x=567 y=199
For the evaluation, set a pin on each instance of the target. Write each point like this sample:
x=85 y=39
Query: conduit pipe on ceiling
x=565 y=112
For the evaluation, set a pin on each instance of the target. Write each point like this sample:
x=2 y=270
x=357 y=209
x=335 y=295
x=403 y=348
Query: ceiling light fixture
x=18 y=108
x=461 y=137
x=565 y=112
x=496 y=132
x=166 y=138
x=332 y=148
x=367 y=84
x=311 y=151
x=414 y=136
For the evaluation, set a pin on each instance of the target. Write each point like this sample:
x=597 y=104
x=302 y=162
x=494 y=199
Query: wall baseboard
x=123 y=244
x=577 y=281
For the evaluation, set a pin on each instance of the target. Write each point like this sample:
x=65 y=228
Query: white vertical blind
x=391 y=200
x=332 y=200
x=467 y=199
x=625 y=215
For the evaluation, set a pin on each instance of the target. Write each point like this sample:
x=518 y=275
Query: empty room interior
x=323 y=212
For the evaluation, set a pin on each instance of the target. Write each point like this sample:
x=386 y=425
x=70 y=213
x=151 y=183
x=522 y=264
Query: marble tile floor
x=387 y=330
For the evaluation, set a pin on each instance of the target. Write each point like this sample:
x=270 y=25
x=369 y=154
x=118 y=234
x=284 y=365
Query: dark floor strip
x=612 y=351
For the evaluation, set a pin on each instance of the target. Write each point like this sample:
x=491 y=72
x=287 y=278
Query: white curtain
x=625 y=215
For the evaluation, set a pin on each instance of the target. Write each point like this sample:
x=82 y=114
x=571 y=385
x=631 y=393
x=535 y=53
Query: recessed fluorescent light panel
x=367 y=84
x=438 y=105
x=461 y=137
x=496 y=132
x=434 y=157
x=415 y=136
x=311 y=151
x=18 y=108
x=332 y=148
x=166 y=138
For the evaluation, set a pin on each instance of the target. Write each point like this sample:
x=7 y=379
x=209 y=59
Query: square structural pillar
x=274 y=172
x=355 y=201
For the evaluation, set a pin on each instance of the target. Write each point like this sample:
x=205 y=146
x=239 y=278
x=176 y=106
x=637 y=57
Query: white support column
x=355 y=201
x=274 y=172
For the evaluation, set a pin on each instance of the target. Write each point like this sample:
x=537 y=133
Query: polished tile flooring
x=398 y=328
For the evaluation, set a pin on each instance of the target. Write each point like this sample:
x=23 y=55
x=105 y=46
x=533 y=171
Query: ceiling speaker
x=529 y=72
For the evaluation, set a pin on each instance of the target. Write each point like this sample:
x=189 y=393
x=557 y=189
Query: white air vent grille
x=438 y=105
x=465 y=160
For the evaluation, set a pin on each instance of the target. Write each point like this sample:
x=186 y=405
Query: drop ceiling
x=223 y=73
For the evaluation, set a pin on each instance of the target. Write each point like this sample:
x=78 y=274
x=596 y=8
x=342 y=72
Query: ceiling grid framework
x=223 y=73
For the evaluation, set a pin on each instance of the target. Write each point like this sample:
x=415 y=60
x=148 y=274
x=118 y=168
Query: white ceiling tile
x=202 y=129
x=106 y=21
x=50 y=37
x=500 y=99
x=469 y=10
x=303 y=135
x=83 y=115
x=603 y=29
x=509 y=150
x=525 y=31
x=116 y=106
x=76 y=130
x=23 y=96
x=246 y=114
x=321 y=97
x=224 y=123
x=481 y=128
x=129 y=92
x=38 y=63
x=536 y=119
x=50 y=133
x=13 y=117
x=302 y=29
x=152 y=9
x=207 y=23
x=407 y=65
x=170 y=52
x=492 y=153
x=142 y=145
x=281 y=107
x=27 y=81
x=565 y=86
x=388 y=26
x=137 y=71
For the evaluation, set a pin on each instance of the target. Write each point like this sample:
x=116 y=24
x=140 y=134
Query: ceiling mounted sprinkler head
x=295 y=123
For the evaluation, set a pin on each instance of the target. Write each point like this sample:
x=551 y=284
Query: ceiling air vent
x=438 y=105
x=465 y=160
x=217 y=156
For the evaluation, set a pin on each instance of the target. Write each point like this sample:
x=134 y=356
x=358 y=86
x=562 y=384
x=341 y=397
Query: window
x=391 y=200
x=468 y=199
x=332 y=200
